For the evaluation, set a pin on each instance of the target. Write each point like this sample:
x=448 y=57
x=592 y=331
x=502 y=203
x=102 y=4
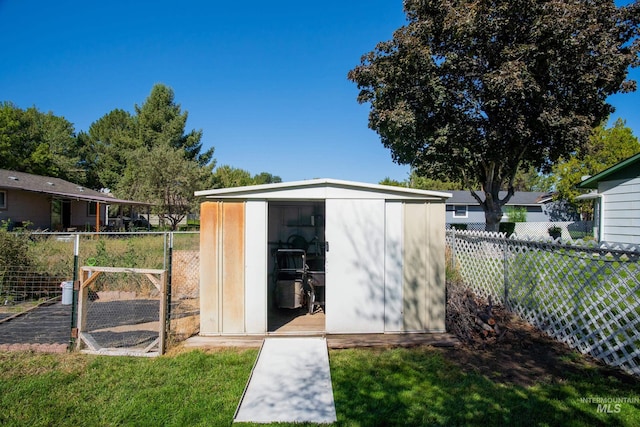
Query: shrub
x=507 y=227
x=516 y=213
x=555 y=232
x=14 y=257
x=14 y=250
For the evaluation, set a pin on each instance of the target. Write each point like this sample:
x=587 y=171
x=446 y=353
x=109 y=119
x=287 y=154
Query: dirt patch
x=524 y=355
x=36 y=348
x=185 y=319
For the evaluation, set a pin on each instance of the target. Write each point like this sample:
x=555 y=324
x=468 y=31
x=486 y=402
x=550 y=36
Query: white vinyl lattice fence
x=583 y=294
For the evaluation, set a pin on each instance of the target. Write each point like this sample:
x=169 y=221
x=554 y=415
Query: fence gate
x=122 y=311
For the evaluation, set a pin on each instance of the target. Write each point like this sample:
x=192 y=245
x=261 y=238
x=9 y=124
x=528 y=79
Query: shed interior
x=296 y=236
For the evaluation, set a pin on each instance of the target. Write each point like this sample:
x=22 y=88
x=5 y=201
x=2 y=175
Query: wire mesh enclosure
x=584 y=294
x=184 y=309
x=122 y=311
x=37 y=288
x=30 y=274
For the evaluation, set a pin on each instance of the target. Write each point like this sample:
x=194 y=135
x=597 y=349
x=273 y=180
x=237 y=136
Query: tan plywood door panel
x=233 y=230
x=415 y=266
x=423 y=267
x=210 y=253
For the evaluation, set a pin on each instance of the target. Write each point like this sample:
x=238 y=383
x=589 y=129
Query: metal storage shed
x=380 y=250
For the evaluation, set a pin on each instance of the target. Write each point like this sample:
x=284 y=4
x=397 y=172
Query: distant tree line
x=145 y=156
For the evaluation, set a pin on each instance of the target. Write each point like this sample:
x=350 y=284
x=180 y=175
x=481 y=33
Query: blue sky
x=265 y=81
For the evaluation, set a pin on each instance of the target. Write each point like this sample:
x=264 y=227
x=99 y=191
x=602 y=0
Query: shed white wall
x=256 y=267
x=620 y=210
x=393 y=256
x=355 y=265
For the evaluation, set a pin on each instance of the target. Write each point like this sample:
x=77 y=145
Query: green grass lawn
x=372 y=387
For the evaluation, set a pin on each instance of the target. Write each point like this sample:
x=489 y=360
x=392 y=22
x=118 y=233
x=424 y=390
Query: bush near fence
x=23 y=279
x=585 y=294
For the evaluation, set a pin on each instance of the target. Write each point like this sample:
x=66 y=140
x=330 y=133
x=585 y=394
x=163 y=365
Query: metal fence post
x=164 y=251
x=74 y=298
x=169 y=270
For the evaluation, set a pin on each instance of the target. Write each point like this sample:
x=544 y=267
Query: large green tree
x=475 y=90
x=161 y=121
x=167 y=178
x=106 y=148
x=40 y=143
x=163 y=164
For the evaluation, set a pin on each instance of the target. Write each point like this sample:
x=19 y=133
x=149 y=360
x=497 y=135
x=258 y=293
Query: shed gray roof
x=321 y=188
x=520 y=198
x=12 y=180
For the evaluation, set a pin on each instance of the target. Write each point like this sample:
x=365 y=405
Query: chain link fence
x=565 y=230
x=585 y=294
x=32 y=316
x=38 y=303
x=184 y=309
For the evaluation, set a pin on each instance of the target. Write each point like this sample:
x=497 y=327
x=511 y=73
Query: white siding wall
x=621 y=210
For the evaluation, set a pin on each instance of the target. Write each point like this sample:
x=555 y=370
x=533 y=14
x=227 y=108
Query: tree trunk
x=492 y=213
x=492 y=204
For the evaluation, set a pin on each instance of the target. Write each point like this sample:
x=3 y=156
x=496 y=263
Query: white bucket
x=67 y=293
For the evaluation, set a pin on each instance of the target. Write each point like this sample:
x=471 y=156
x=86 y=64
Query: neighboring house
x=52 y=204
x=616 y=193
x=463 y=208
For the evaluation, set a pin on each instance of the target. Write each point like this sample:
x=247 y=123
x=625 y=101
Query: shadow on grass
x=420 y=387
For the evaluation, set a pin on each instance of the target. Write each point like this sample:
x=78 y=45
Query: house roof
x=322 y=189
x=12 y=180
x=627 y=168
x=520 y=198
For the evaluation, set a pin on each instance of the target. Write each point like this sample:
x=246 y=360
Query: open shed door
x=355 y=265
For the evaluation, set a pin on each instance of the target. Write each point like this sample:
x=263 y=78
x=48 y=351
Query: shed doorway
x=295 y=293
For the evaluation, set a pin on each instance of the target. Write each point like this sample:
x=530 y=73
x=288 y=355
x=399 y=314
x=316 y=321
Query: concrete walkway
x=290 y=382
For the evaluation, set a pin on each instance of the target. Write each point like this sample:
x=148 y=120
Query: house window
x=92 y=208
x=460 y=211
x=3 y=200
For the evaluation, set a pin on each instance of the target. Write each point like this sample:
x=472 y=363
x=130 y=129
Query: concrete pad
x=290 y=382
